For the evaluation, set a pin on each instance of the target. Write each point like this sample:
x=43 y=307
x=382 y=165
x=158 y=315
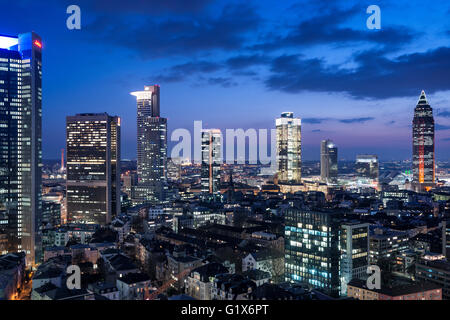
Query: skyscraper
x=21 y=141
x=289 y=148
x=211 y=160
x=151 y=146
x=423 y=145
x=93 y=168
x=367 y=168
x=328 y=162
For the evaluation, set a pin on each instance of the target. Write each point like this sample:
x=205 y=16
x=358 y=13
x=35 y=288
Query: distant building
x=200 y=281
x=423 y=145
x=133 y=286
x=367 y=168
x=387 y=244
x=437 y=272
x=357 y=289
x=289 y=148
x=211 y=160
x=328 y=161
x=93 y=173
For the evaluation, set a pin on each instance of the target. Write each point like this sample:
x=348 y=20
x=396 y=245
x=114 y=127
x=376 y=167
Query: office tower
x=93 y=168
x=354 y=243
x=312 y=252
x=174 y=169
x=328 y=162
x=367 y=168
x=211 y=160
x=289 y=148
x=151 y=146
x=21 y=141
x=423 y=145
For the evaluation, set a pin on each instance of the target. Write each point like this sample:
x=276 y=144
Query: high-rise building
x=151 y=146
x=324 y=249
x=328 y=162
x=367 y=168
x=354 y=245
x=93 y=168
x=211 y=160
x=289 y=148
x=423 y=145
x=312 y=252
x=21 y=141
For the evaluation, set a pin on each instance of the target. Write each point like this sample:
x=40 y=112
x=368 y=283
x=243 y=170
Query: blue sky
x=239 y=64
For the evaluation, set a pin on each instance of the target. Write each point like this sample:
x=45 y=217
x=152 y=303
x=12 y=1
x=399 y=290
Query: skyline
x=242 y=73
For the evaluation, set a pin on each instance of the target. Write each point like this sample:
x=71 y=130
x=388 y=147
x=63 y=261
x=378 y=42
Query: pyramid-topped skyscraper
x=423 y=145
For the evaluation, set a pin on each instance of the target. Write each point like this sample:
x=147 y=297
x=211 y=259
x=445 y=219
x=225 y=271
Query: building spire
x=423 y=98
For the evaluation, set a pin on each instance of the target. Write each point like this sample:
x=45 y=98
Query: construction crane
x=166 y=285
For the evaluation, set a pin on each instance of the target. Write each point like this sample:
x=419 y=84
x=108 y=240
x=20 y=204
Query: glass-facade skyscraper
x=21 y=142
x=423 y=145
x=211 y=160
x=328 y=161
x=151 y=146
x=289 y=148
x=93 y=168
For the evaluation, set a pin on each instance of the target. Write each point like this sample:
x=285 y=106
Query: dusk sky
x=239 y=64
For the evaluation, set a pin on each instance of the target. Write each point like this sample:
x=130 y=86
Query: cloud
x=376 y=76
x=443 y=113
x=244 y=61
x=439 y=127
x=153 y=7
x=357 y=120
x=327 y=28
x=178 y=35
x=314 y=120
x=183 y=71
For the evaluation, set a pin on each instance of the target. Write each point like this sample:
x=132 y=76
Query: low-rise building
x=358 y=289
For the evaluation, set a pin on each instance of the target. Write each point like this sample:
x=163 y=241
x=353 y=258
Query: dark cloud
x=314 y=120
x=176 y=35
x=440 y=127
x=222 y=81
x=327 y=29
x=443 y=113
x=245 y=61
x=357 y=120
x=375 y=76
x=153 y=7
x=183 y=71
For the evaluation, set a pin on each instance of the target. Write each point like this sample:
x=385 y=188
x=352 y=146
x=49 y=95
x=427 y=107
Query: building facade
x=423 y=145
x=312 y=252
x=328 y=161
x=21 y=141
x=151 y=146
x=93 y=168
x=367 y=168
x=289 y=148
x=354 y=244
x=211 y=161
